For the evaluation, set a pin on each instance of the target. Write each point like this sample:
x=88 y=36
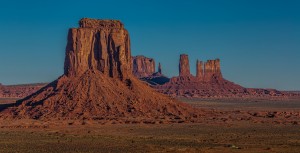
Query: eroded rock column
x=184 y=66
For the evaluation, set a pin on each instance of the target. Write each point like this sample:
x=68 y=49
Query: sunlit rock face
x=98 y=45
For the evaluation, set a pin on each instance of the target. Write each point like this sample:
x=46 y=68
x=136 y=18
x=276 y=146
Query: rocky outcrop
x=19 y=91
x=143 y=66
x=209 y=83
x=208 y=71
x=144 y=69
x=184 y=65
x=98 y=83
x=98 y=45
x=212 y=70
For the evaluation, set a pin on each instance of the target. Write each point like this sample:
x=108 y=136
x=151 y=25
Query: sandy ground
x=231 y=136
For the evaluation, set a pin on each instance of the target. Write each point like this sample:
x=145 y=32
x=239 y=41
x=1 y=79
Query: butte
x=98 y=83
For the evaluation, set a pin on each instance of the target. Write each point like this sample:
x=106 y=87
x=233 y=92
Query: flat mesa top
x=102 y=24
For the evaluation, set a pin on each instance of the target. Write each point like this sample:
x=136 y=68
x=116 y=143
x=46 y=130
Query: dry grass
x=153 y=138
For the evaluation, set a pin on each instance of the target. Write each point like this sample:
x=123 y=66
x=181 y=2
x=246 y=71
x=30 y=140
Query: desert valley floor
x=225 y=135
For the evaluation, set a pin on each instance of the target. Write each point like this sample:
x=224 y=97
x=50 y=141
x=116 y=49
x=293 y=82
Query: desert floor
x=235 y=136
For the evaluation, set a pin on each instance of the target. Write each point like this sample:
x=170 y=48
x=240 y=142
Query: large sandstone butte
x=142 y=66
x=98 y=83
x=209 y=83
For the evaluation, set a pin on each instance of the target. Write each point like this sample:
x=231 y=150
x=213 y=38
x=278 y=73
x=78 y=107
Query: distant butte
x=144 y=69
x=208 y=83
x=143 y=66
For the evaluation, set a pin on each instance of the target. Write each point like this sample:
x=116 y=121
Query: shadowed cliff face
x=98 y=45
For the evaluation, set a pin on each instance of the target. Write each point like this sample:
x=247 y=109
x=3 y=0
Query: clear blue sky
x=258 y=41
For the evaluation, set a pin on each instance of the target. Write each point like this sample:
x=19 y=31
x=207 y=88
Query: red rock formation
x=143 y=66
x=212 y=70
x=184 y=65
x=199 y=70
x=19 y=91
x=144 y=69
x=159 y=68
x=98 y=83
x=99 y=45
x=209 y=83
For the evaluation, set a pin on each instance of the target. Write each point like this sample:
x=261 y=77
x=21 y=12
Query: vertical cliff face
x=199 y=70
x=143 y=66
x=184 y=65
x=98 y=45
x=212 y=70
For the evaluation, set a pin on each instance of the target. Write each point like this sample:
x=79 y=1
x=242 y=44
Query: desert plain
x=229 y=133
